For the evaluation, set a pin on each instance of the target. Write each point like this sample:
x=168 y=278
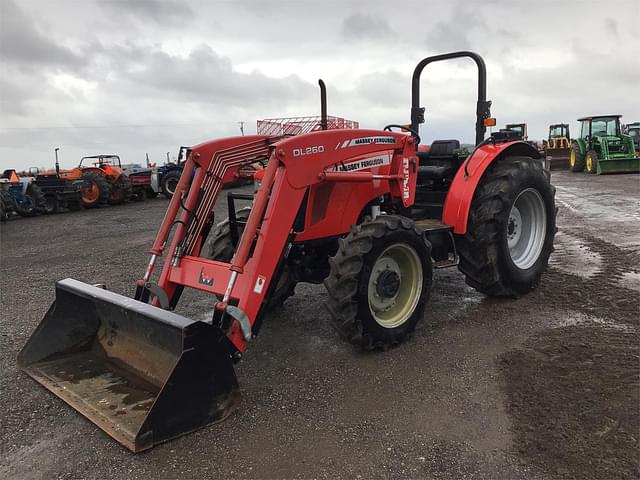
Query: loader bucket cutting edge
x=142 y=374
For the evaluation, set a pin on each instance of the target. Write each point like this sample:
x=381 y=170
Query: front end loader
x=557 y=147
x=358 y=210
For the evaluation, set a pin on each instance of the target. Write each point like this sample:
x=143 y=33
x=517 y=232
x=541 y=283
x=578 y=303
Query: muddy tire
x=50 y=203
x=3 y=210
x=33 y=204
x=96 y=190
x=170 y=182
x=512 y=224
x=379 y=282
x=576 y=160
x=39 y=200
x=220 y=247
x=120 y=191
x=591 y=162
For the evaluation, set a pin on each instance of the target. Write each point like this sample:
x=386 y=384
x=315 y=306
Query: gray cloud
x=23 y=43
x=612 y=27
x=207 y=77
x=162 y=12
x=148 y=76
x=365 y=27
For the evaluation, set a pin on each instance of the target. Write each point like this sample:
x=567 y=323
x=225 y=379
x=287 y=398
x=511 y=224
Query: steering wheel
x=413 y=132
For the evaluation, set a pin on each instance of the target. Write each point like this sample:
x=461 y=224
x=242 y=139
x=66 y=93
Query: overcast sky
x=131 y=77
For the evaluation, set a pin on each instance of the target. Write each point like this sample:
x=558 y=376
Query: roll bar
x=483 y=106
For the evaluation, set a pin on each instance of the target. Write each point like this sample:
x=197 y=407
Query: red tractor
x=362 y=211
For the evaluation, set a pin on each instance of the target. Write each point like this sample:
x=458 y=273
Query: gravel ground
x=541 y=387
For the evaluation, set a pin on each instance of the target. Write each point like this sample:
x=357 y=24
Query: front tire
x=51 y=203
x=95 y=191
x=170 y=182
x=576 y=159
x=591 y=162
x=379 y=282
x=512 y=224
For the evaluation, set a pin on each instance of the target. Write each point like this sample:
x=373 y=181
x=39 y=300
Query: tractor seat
x=441 y=161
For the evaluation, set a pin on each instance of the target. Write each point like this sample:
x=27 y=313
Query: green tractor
x=602 y=147
x=633 y=130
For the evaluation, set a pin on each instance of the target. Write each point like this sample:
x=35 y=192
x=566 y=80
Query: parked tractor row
x=603 y=146
x=97 y=181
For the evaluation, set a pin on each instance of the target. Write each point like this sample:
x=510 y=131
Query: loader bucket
x=142 y=374
x=557 y=159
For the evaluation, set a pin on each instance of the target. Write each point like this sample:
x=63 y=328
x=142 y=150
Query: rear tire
x=221 y=248
x=591 y=162
x=95 y=191
x=3 y=210
x=512 y=224
x=576 y=160
x=379 y=282
x=120 y=190
x=39 y=200
x=170 y=182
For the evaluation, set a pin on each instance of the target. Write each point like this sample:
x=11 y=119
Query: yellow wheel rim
x=572 y=158
x=589 y=162
x=395 y=285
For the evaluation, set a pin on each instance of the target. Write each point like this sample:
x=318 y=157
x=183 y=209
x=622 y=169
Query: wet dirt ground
x=546 y=386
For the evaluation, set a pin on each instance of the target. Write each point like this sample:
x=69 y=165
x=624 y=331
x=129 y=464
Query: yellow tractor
x=557 y=147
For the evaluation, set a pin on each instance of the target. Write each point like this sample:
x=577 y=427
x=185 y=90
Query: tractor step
x=432 y=225
x=442 y=242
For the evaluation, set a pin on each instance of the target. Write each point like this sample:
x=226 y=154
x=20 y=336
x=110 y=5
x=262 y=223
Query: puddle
x=573 y=256
x=630 y=280
x=578 y=319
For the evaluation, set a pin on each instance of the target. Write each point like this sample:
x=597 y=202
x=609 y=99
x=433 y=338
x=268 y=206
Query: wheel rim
x=589 y=162
x=572 y=158
x=172 y=183
x=526 y=228
x=395 y=285
x=90 y=194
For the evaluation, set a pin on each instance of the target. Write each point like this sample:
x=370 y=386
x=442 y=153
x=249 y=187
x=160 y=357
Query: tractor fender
x=582 y=145
x=460 y=195
x=96 y=170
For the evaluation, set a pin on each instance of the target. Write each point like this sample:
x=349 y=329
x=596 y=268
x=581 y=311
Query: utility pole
x=241 y=127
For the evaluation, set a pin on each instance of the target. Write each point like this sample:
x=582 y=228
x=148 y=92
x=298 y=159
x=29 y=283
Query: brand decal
x=204 y=280
x=356 y=142
x=300 y=152
x=363 y=163
x=406 y=192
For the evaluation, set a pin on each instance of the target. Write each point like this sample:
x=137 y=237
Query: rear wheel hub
x=526 y=228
